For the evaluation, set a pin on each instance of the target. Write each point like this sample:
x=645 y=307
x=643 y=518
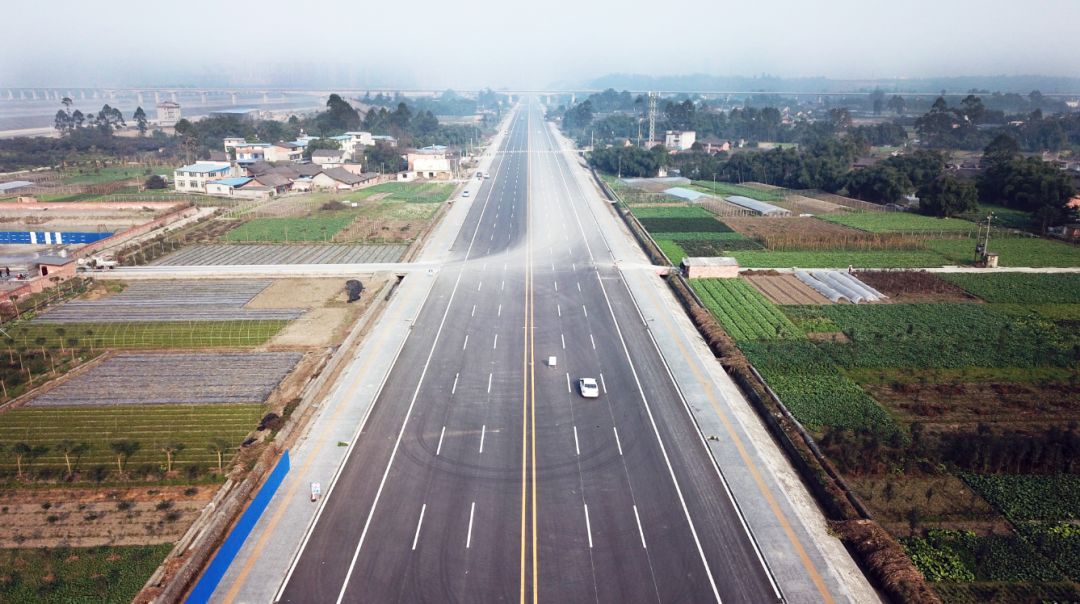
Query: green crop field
x=813 y=389
x=152 y=426
x=313 y=228
x=185 y=334
x=106 y=575
x=890 y=222
x=1020 y=288
x=1058 y=541
x=947 y=336
x=963 y=556
x=743 y=311
x=723 y=189
x=1030 y=497
x=840 y=259
x=658 y=227
x=671 y=211
x=672 y=250
x=1015 y=251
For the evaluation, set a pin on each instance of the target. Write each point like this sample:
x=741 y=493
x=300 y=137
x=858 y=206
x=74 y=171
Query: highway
x=482 y=475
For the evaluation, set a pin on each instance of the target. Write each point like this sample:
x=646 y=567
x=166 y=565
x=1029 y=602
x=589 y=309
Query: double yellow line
x=528 y=396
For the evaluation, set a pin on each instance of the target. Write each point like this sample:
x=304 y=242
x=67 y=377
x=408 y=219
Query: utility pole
x=652 y=117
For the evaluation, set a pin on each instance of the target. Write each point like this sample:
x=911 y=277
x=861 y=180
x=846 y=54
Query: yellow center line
x=524 y=416
x=532 y=379
x=256 y=552
x=789 y=532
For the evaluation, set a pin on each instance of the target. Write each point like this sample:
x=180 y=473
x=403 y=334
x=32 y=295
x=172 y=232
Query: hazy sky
x=423 y=43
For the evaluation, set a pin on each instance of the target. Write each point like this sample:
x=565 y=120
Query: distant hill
x=1022 y=84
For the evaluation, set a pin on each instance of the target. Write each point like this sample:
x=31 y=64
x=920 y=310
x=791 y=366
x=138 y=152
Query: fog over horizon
x=533 y=46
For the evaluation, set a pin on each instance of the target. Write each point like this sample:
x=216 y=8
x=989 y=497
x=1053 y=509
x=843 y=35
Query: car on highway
x=588 y=388
x=486 y=175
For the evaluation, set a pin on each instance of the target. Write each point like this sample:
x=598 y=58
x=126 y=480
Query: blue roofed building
x=193 y=178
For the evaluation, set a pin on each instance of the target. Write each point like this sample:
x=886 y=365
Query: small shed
x=718 y=267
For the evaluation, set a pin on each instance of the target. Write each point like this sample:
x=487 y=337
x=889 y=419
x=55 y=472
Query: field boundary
x=644 y=239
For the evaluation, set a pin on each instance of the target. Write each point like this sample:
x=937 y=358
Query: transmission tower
x=652 y=117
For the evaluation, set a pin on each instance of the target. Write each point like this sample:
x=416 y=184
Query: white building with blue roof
x=193 y=178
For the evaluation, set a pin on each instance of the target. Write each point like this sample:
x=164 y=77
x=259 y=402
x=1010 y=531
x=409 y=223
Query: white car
x=464 y=193
x=588 y=388
x=486 y=175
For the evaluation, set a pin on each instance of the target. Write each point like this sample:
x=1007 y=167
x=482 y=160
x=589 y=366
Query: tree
x=155 y=181
x=339 y=117
x=840 y=118
x=1001 y=150
x=897 y=104
x=123 y=449
x=140 y=121
x=383 y=157
x=20 y=450
x=946 y=196
x=170 y=449
x=62 y=122
x=69 y=448
x=877 y=100
x=879 y=184
x=320 y=143
x=219 y=447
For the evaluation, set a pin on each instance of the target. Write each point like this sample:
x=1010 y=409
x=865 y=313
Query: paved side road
x=809 y=564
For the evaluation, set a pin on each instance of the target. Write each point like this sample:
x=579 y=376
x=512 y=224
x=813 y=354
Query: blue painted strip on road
x=228 y=550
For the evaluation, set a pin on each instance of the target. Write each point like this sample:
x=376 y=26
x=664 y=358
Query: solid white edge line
x=639 y=529
x=468 y=536
x=420 y=523
x=618 y=443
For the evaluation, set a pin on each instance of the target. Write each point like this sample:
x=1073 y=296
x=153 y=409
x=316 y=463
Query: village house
x=193 y=178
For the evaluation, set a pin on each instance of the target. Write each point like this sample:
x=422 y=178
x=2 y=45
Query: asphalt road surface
x=482 y=475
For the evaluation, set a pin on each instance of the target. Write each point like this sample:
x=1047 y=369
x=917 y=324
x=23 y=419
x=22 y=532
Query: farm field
x=176 y=334
x=784 y=288
x=1014 y=251
x=685 y=230
x=65 y=575
x=176 y=300
x=112 y=174
x=210 y=254
x=975 y=376
x=162 y=379
x=284 y=230
x=839 y=259
x=151 y=427
x=723 y=189
x=890 y=222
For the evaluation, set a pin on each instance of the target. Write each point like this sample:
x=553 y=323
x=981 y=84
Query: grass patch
x=672 y=250
x=177 y=334
x=893 y=222
x=409 y=192
x=65 y=575
x=152 y=426
x=841 y=259
x=1017 y=251
x=314 y=228
x=104 y=175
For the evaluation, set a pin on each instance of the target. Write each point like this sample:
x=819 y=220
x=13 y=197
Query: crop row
x=948 y=336
x=1020 y=288
x=176 y=334
x=193 y=426
x=743 y=311
x=671 y=211
x=813 y=389
x=962 y=556
x=661 y=226
x=1030 y=497
x=64 y=575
